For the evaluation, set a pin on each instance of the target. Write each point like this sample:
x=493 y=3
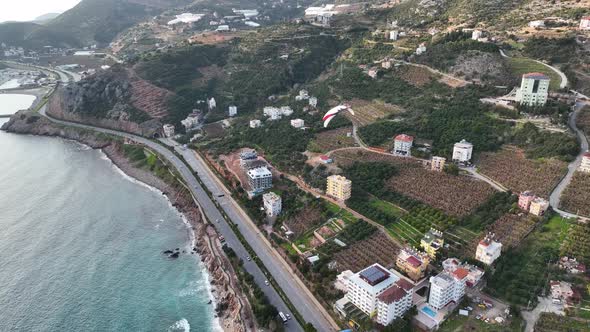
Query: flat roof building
x=168 y=130
x=272 y=204
x=259 y=179
x=585 y=165
x=539 y=206
x=462 y=152
x=437 y=164
x=534 y=89
x=338 y=187
x=412 y=262
x=447 y=287
x=488 y=250
x=432 y=242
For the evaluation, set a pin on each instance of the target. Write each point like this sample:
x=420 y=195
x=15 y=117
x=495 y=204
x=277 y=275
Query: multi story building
x=412 y=262
x=259 y=179
x=585 y=165
x=476 y=34
x=211 y=103
x=534 y=89
x=297 y=123
x=272 y=204
x=432 y=242
x=192 y=120
x=168 y=130
x=585 y=23
x=378 y=292
x=474 y=274
x=447 y=287
x=255 y=123
x=462 y=152
x=393 y=35
x=313 y=101
x=366 y=285
x=233 y=110
x=248 y=154
x=339 y=187
x=538 y=206
x=437 y=164
x=488 y=250
x=394 y=302
x=524 y=200
x=402 y=145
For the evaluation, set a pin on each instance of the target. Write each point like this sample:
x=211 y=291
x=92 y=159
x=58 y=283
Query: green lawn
x=525 y=65
x=456 y=323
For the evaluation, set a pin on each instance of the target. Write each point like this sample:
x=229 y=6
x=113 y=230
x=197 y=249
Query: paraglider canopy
x=332 y=113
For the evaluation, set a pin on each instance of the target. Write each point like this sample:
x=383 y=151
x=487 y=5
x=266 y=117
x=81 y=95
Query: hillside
x=89 y=22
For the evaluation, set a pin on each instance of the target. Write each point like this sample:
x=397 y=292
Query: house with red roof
x=585 y=23
x=412 y=262
x=402 y=145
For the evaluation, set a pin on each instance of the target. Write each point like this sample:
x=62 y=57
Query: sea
x=82 y=246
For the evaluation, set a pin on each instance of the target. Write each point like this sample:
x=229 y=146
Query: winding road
x=555 y=198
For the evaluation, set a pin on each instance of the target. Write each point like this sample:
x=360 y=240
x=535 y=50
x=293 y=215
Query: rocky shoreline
x=232 y=308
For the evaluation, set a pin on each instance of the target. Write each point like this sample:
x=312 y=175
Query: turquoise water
x=429 y=312
x=81 y=246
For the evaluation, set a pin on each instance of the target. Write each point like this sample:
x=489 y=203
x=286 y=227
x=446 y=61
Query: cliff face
x=29 y=122
x=115 y=99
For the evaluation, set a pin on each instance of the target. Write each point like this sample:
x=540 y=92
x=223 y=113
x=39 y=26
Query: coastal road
x=555 y=198
x=299 y=295
x=216 y=218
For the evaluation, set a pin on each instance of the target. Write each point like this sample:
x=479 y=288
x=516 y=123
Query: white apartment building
x=168 y=130
x=233 y=110
x=476 y=34
x=585 y=23
x=366 y=285
x=297 y=123
x=259 y=178
x=275 y=113
x=313 y=101
x=437 y=164
x=211 y=103
x=447 y=287
x=534 y=89
x=421 y=49
x=393 y=35
x=585 y=165
x=255 y=123
x=488 y=250
x=394 y=302
x=272 y=204
x=402 y=145
x=462 y=152
x=339 y=187
x=537 y=24
x=191 y=120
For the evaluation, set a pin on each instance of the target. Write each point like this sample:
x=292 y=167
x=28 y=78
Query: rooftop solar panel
x=374 y=275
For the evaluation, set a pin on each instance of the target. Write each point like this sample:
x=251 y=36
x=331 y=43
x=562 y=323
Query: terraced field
x=366 y=112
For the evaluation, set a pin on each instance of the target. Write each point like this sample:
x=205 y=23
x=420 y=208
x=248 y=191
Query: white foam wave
x=180 y=325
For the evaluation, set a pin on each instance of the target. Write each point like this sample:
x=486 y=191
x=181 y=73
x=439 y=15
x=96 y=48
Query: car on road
x=248 y=258
x=266 y=282
x=283 y=317
x=288 y=316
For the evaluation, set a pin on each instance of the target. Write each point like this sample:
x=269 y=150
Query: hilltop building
x=538 y=206
x=276 y=113
x=585 y=165
x=488 y=250
x=339 y=187
x=402 y=145
x=447 y=287
x=168 y=130
x=272 y=204
x=255 y=123
x=537 y=24
x=313 y=101
x=326 y=160
x=297 y=123
x=462 y=152
x=211 y=103
x=534 y=89
x=432 y=242
x=378 y=292
x=259 y=179
x=303 y=95
x=585 y=23
x=421 y=49
x=233 y=110
x=412 y=262
x=437 y=164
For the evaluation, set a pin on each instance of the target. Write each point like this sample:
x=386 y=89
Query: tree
x=308 y=327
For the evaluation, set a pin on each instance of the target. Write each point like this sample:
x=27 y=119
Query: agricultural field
x=510 y=230
x=416 y=76
x=305 y=220
x=454 y=195
x=331 y=140
x=549 y=322
x=577 y=242
x=376 y=249
x=576 y=197
x=512 y=169
x=366 y=112
x=522 y=66
x=583 y=120
x=521 y=273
